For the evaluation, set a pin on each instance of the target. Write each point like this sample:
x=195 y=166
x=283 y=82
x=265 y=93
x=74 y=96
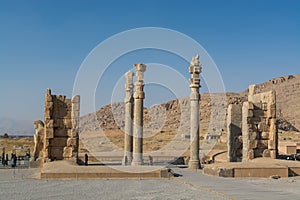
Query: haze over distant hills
x=16 y=127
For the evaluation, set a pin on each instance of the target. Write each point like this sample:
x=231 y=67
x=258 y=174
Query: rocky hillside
x=174 y=115
x=287 y=98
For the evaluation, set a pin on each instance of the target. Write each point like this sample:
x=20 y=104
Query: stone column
x=139 y=96
x=128 y=119
x=195 y=70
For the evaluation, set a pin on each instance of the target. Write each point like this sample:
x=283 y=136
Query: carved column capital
x=129 y=87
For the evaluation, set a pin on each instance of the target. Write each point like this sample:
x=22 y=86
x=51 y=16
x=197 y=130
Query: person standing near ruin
x=6 y=160
x=86 y=159
x=3 y=156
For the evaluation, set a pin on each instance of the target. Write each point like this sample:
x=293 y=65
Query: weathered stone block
x=258 y=152
x=60 y=97
x=253 y=120
x=72 y=142
x=61 y=132
x=59 y=123
x=73 y=133
x=264 y=106
x=49 y=123
x=271 y=112
x=48 y=98
x=258 y=113
x=273 y=136
x=61 y=113
x=68 y=123
x=248 y=105
x=272 y=97
x=75 y=106
x=252 y=144
x=75 y=123
x=58 y=142
x=75 y=115
x=49 y=133
x=56 y=152
x=252 y=135
x=76 y=99
x=250 y=154
x=266 y=153
x=273 y=153
x=257 y=105
x=46 y=145
x=265 y=135
x=68 y=152
x=250 y=113
x=271 y=144
x=262 y=144
x=68 y=103
x=252 y=89
x=48 y=105
x=263 y=127
x=273 y=127
x=47 y=114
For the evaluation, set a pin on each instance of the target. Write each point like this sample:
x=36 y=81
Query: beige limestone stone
x=139 y=95
x=266 y=153
x=49 y=133
x=194 y=69
x=38 y=140
x=129 y=105
x=265 y=135
x=234 y=129
x=272 y=144
x=252 y=135
x=61 y=127
x=262 y=144
x=259 y=130
x=273 y=153
x=252 y=144
x=72 y=142
x=58 y=142
x=250 y=154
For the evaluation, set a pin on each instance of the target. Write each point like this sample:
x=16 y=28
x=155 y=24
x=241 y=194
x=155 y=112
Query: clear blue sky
x=43 y=43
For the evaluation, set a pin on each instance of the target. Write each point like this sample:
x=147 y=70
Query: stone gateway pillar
x=139 y=96
x=128 y=119
x=195 y=70
x=61 y=131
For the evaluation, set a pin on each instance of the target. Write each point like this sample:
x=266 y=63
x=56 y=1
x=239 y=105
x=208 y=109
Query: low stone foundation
x=69 y=170
x=260 y=168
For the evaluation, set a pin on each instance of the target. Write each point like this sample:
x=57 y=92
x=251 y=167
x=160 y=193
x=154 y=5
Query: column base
x=126 y=160
x=194 y=164
x=137 y=162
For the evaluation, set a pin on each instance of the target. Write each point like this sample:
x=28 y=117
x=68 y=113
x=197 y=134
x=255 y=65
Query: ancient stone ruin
x=61 y=119
x=128 y=119
x=252 y=130
x=195 y=70
x=134 y=106
x=139 y=97
x=38 y=140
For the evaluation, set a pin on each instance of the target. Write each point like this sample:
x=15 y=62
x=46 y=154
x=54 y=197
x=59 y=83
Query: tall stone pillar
x=128 y=119
x=139 y=96
x=195 y=70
